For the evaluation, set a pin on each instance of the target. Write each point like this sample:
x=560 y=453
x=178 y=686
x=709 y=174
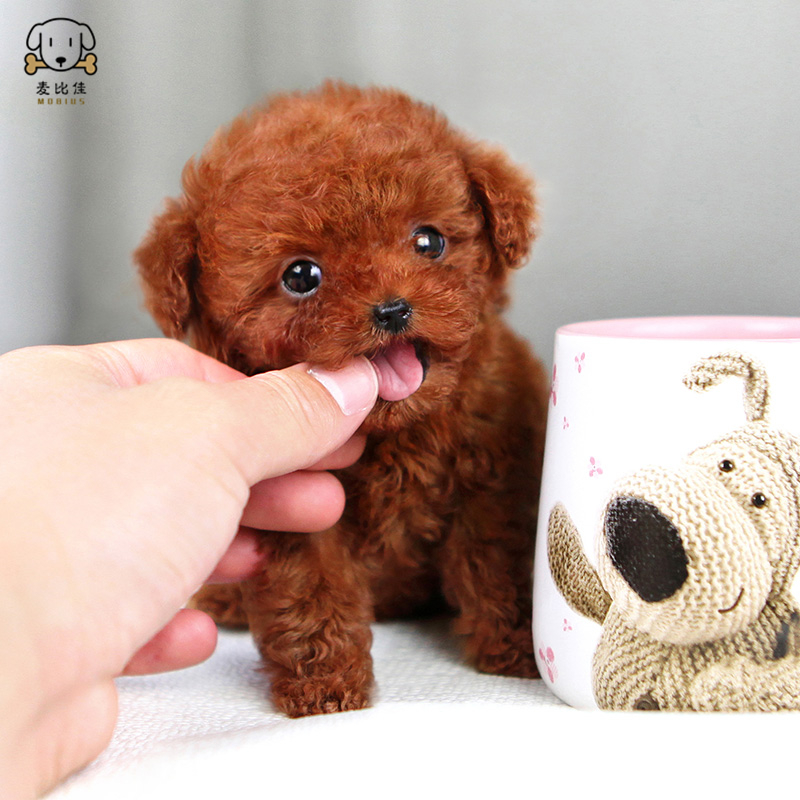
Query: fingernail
x=354 y=388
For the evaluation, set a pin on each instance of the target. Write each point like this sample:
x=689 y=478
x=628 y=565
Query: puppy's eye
x=726 y=465
x=759 y=500
x=428 y=242
x=302 y=278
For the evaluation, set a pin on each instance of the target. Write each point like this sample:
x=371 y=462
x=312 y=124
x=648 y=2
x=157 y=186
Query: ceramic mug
x=669 y=524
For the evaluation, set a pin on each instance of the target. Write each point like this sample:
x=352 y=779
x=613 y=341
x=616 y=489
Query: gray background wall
x=663 y=134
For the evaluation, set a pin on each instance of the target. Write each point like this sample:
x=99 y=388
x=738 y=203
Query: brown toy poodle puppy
x=348 y=222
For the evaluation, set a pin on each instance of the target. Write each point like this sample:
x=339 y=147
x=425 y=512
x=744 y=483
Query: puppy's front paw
x=304 y=696
x=512 y=656
x=514 y=665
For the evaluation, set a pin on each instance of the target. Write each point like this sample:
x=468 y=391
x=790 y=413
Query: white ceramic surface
x=618 y=403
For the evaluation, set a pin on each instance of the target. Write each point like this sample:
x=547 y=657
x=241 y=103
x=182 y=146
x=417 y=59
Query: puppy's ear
x=505 y=195
x=167 y=261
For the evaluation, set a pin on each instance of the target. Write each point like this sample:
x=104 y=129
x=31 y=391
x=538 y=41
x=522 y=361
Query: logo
x=60 y=45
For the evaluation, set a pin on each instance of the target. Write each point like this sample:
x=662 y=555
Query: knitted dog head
x=692 y=554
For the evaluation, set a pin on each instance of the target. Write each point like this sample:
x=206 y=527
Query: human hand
x=128 y=469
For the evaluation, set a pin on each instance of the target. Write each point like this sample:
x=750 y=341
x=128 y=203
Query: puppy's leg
x=310 y=614
x=486 y=575
x=487 y=560
x=223 y=603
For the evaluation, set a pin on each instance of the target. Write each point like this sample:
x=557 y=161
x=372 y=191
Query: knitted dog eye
x=726 y=465
x=302 y=278
x=759 y=500
x=428 y=242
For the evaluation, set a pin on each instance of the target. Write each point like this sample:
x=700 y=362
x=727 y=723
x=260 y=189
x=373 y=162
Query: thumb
x=286 y=420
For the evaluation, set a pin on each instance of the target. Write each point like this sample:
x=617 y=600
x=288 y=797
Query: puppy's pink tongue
x=400 y=372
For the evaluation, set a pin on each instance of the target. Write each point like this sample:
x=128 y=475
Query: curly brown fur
x=443 y=501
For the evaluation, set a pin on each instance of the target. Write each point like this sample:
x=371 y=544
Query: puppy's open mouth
x=401 y=368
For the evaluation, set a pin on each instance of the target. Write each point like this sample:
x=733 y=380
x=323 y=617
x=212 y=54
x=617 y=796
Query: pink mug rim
x=785 y=329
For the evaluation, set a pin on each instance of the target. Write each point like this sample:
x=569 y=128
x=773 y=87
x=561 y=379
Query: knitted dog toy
x=695 y=566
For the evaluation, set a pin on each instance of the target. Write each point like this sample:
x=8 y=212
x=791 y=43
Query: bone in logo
x=60 y=43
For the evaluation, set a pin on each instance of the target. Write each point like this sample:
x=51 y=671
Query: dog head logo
x=60 y=44
x=691 y=554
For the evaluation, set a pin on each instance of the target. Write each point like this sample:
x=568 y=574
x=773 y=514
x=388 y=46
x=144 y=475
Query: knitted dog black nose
x=645 y=548
x=392 y=316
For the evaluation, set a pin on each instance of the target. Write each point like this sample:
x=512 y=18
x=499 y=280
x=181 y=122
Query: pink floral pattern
x=549 y=659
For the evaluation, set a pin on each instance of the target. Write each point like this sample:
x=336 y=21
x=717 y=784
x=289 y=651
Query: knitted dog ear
x=573 y=574
x=710 y=371
x=167 y=261
x=505 y=195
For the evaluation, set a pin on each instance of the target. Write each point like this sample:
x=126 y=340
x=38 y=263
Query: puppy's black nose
x=645 y=548
x=392 y=316
x=61 y=61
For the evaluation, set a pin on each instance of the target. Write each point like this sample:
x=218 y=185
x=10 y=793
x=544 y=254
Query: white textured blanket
x=438 y=729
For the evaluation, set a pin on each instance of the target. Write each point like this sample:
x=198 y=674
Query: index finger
x=137 y=361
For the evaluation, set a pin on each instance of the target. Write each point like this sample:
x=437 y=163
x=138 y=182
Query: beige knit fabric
x=729 y=637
